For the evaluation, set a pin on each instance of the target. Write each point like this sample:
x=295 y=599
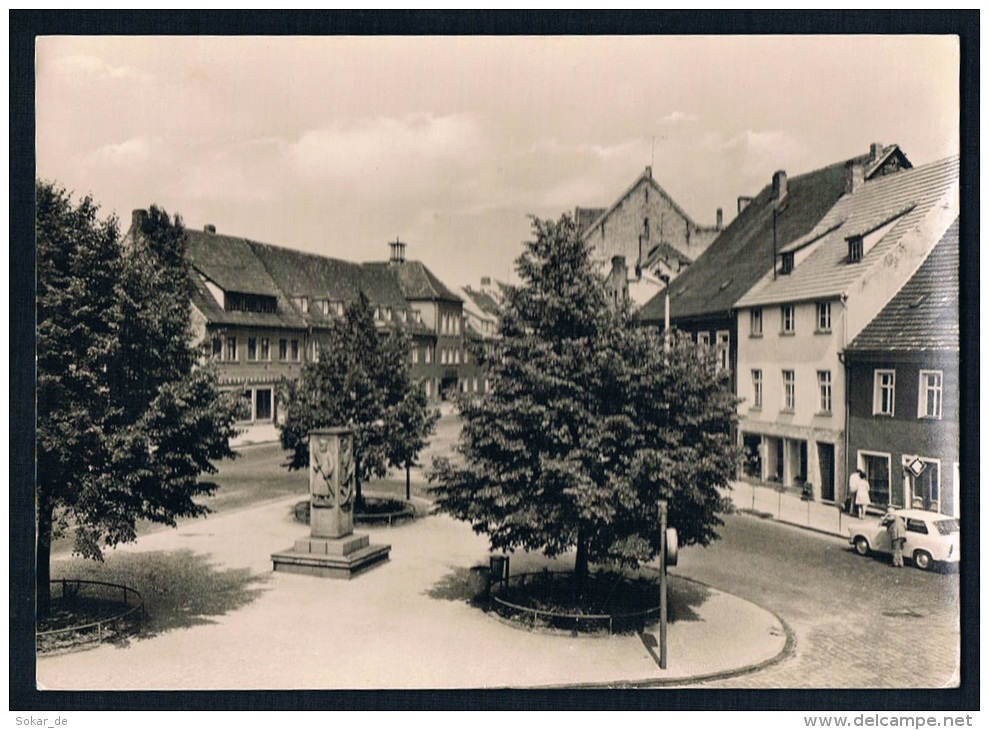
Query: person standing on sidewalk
x=896 y=528
x=853 y=485
x=862 y=499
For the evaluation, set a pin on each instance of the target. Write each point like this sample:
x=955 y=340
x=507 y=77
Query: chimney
x=779 y=187
x=854 y=176
x=649 y=171
x=137 y=220
x=618 y=267
x=210 y=229
x=743 y=202
x=397 y=252
x=720 y=219
x=485 y=281
x=875 y=151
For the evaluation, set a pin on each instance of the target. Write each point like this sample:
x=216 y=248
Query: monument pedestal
x=333 y=549
x=331 y=558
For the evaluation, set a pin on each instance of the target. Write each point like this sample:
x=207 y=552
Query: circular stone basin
x=601 y=603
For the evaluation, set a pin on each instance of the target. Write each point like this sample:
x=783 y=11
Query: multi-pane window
x=252 y=348
x=854 y=249
x=824 y=388
x=429 y=354
x=757 y=388
x=262 y=404
x=824 y=316
x=931 y=389
x=755 y=322
x=789 y=319
x=415 y=355
x=884 y=392
x=723 y=349
x=789 y=390
x=295 y=350
x=231 y=353
x=265 y=352
x=456 y=356
x=283 y=349
x=217 y=348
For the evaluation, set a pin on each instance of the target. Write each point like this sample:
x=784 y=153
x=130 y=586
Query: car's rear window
x=946 y=527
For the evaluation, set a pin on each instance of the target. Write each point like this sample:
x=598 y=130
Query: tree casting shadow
x=181 y=588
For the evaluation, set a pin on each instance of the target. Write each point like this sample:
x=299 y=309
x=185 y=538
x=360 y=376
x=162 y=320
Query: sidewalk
x=788 y=507
x=235 y=624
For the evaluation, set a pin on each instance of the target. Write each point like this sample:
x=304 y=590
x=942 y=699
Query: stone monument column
x=331 y=482
x=333 y=549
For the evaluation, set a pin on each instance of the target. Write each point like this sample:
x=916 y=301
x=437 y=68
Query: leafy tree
x=588 y=423
x=360 y=380
x=127 y=419
x=412 y=424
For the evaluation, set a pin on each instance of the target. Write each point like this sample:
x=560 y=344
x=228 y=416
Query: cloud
x=675 y=117
x=84 y=66
x=385 y=149
x=137 y=151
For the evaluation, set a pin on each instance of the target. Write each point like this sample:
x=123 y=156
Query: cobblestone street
x=859 y=623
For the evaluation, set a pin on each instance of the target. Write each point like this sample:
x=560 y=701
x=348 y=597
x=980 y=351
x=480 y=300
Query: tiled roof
x=909 y=197
x=229 y=262
x=739 y=257
x=482 y=300
x=418 y=283
x=743 y=252
x=923 y=316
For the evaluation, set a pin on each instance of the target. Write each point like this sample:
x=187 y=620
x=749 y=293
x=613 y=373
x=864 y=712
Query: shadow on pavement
x=463 y=584
x=181 y=588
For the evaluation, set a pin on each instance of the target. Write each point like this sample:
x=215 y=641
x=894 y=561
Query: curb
x=785 y=653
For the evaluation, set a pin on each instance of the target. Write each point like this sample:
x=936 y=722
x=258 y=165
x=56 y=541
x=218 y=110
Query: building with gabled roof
x=649 y=232
x=702 y=299
x=902 y=376
x=796 y=321
x=262 y=311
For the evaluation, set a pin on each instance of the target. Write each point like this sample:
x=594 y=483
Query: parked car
x=931 y=538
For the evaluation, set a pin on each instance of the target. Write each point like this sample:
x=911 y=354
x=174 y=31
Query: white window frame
x=429 y=354
x=724 y=348
x=252 y=349
x=415 y=355
x=924 y=389
x=756 y=388
x=824 y=316
x=230 y=349
x=264 y=349
x=824 y=388
x=878 y=388
x=786 y=309
x=789 y=391
x=295 y=350
x=755 y=322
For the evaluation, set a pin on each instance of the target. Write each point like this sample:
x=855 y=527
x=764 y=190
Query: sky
x=338 y=145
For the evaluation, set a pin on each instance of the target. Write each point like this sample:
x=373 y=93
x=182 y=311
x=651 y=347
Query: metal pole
x=662 y=584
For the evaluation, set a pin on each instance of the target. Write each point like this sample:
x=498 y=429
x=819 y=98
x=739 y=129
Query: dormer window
x=854 y=249
x=787 y=267
x=303 y=304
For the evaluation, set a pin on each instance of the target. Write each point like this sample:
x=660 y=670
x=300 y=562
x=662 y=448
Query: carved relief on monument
x=323 y=473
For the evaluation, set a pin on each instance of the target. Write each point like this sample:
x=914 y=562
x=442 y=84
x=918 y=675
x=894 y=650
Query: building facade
x=648 y=233
x=902 y=373
x=262 y=311
x=794 y=325
x=702 y=299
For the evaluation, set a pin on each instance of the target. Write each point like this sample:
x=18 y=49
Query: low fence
x=572 y=623
x=128 y=612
